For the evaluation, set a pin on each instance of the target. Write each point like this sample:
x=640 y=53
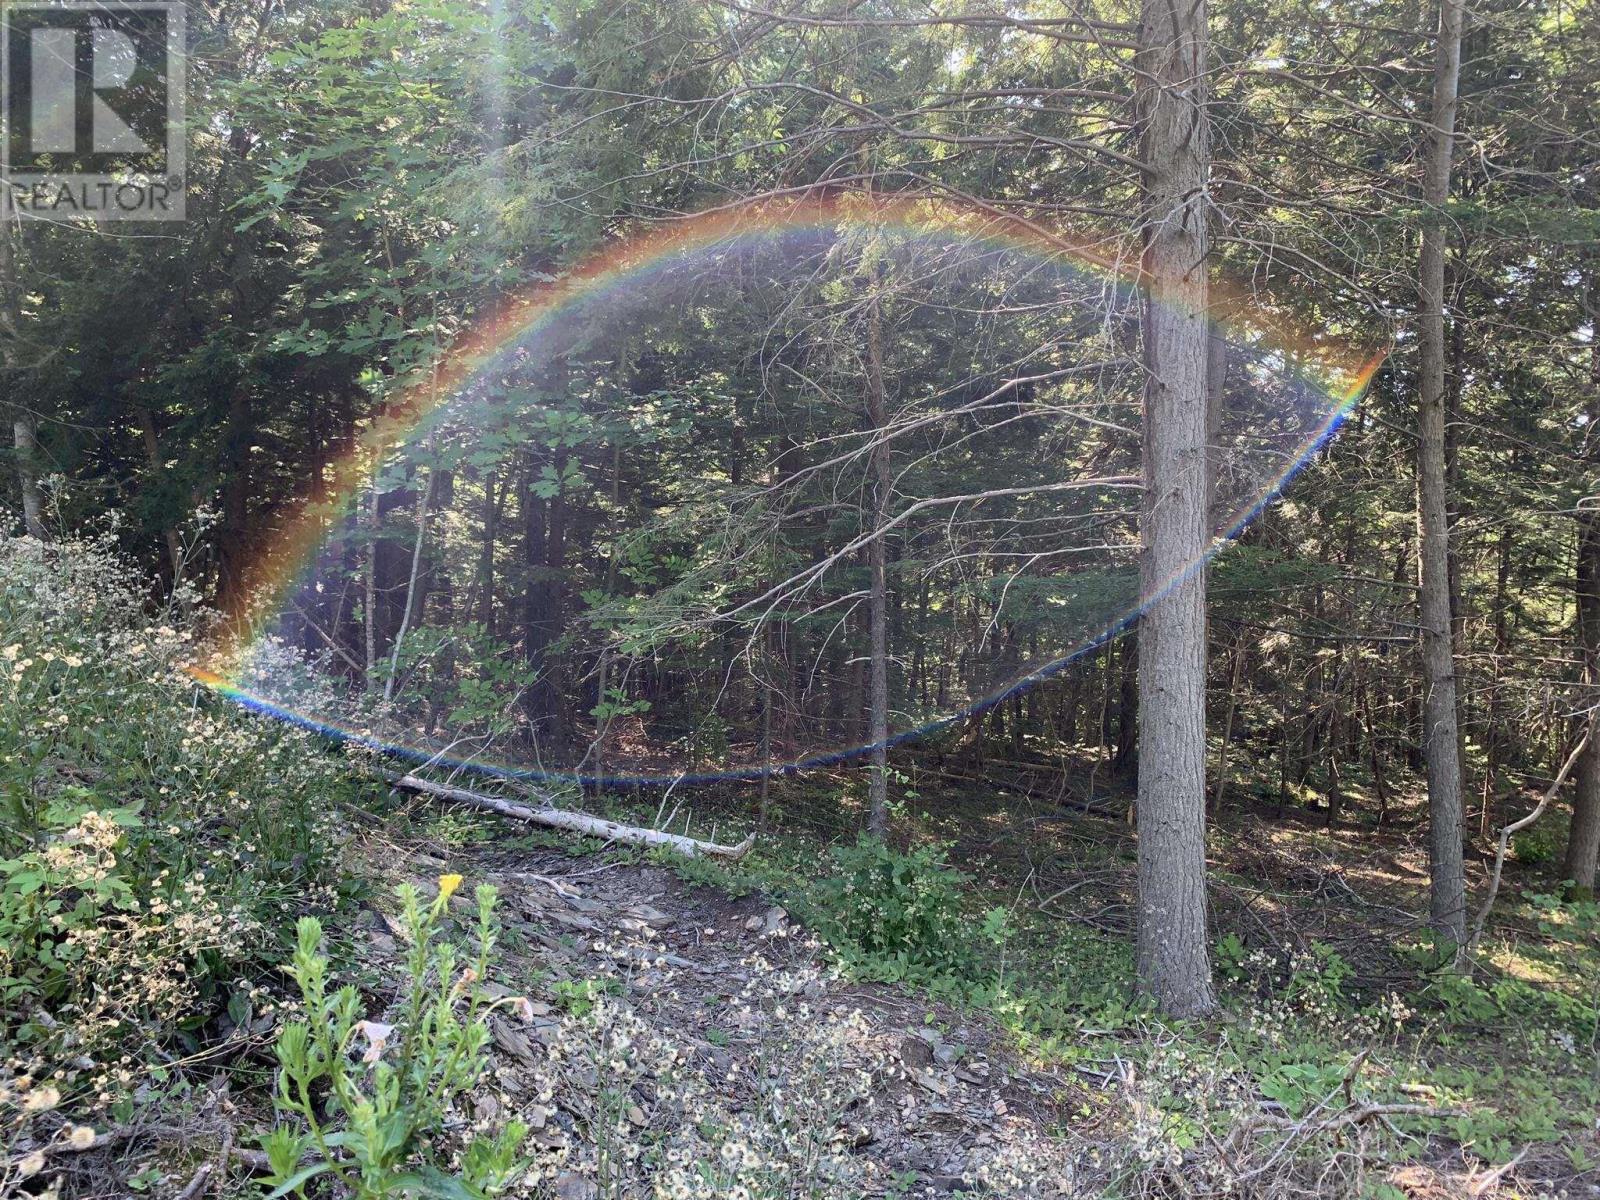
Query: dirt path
x=931 y=1102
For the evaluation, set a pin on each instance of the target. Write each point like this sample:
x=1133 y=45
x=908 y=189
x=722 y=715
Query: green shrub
x=896 y=914
x=1538 y=844
x=366 y=1104
x=151 y=836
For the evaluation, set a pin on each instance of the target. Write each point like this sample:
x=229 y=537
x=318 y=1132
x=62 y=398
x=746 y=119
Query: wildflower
x=448 y=885
x=80 y=1137
x=377 y=1035
x=31 y=1164
x=41 y=1099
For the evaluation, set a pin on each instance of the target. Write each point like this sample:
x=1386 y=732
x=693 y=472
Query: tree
x=1583 y=839
x=1173 y=958
x=24 y=421
x=878 y=586
x=1447 y=906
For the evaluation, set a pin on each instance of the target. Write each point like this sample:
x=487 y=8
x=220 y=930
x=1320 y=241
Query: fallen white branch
x=576 y=822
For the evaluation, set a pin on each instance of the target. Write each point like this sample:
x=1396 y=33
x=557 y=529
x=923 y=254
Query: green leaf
x=429 y=1181
x=299 y=1179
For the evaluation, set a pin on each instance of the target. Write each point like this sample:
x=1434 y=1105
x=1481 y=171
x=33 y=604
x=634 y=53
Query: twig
x=1489 y=1179
x=196 y=1185
x=1515 y=826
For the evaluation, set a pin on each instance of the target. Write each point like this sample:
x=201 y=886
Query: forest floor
x=1341 y=1064
x=827 y=1018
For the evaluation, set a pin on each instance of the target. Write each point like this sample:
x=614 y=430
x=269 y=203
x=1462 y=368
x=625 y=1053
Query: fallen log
x=576 y=822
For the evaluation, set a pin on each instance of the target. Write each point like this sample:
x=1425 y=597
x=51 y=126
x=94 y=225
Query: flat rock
x=511 y=1040
x=569 y=1185
x=650 y=916
x=916 y=1053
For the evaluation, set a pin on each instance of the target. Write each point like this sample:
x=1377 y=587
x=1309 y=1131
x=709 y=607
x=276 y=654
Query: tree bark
x=1583 y=836
x=24 y=424
x=369 y=584
x=151 y=438
x=1236 y=683
x=1493 y=738
x=238 y=434
x=412 y=578
x=1442 y=745
x=491 y=526
x=25 y=433
x=1173 y=955
x=1124 y=760
x=878 y=601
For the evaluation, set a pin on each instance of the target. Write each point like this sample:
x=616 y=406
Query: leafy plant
x=149 y=841
x=578 y=996
x=1318 y=979
x=1538 y=844
x=1461 y=999
x=375 y=1123
x=896 y=913
x=1230 y=957
x=1299 y=1085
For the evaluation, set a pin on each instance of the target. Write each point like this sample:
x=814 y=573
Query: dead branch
x=576 y=822
x=1517 y=826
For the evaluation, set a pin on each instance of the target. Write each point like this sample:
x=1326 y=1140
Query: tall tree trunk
x=413 y=578
x=878 y=602
x=25 y=432
x=602 y=724
x=1583 y=838
x=544 y=561
x=24 y=424
x=1236 y=682
x=369 y=586
x=491 y=527
x=1447 y=907
x=151 y=438
x=239 y=431
x=1493 y=737
x=1124 y=760
x=1173 y=961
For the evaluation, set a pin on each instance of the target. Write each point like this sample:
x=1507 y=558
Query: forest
x=646 y=599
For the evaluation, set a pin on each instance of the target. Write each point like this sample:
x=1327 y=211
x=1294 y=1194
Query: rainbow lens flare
x=623 y=533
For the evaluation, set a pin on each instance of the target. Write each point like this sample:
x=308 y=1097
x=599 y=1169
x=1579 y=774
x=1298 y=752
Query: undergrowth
x=155 y=846
x=1496 y=1063
x=161 y=854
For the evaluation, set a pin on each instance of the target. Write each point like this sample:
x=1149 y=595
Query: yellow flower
x=448 y=885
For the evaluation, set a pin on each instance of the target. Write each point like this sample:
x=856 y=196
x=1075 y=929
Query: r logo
x=93 y=108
